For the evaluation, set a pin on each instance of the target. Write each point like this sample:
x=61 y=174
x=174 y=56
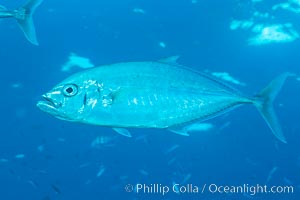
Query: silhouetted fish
x=56 y=189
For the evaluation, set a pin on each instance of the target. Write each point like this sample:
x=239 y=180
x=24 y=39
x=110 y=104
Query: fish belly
x=169 y=108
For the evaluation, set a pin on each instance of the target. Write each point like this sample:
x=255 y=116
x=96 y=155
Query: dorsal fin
x=170 y=60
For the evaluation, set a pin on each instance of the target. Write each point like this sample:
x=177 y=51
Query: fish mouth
x=48 y=105
x=52 y=107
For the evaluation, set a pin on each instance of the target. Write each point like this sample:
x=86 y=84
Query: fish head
x=69 y=99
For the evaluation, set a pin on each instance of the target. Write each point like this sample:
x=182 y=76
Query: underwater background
x=43 y=158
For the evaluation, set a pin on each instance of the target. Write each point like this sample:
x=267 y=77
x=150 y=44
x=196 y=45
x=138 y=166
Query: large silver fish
x=23 y=15
x=160 y=94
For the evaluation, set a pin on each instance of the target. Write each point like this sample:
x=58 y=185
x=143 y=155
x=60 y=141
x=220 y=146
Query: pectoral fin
x=123 y=131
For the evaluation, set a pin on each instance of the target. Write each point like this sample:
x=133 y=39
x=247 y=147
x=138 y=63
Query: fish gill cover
x=244 y=42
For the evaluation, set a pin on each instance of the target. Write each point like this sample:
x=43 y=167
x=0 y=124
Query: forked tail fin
x=264 y=103
x=23 y=15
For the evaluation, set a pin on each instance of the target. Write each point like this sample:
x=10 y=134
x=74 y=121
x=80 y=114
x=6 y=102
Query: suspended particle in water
x=162 y=44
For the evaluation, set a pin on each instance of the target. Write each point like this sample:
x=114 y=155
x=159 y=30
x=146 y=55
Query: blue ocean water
x=43 y=158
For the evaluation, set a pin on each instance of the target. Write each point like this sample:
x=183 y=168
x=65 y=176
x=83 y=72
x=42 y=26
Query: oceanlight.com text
x=250 y=189
x=207 y=188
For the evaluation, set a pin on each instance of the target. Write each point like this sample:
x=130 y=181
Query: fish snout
x=50 y=100
x=48 y=104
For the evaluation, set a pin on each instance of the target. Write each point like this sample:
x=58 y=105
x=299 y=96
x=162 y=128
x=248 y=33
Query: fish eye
x=70 y=90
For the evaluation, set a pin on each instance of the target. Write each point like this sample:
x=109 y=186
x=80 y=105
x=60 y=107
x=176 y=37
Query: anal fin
x=186 y=128
x=179 y=131
x=122 y=131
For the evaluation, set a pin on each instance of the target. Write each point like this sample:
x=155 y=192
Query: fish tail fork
x=23 y=15
x=264 y=103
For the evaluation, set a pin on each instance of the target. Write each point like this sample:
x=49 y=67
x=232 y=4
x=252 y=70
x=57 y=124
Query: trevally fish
x=161 y=94
x=23 y=15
